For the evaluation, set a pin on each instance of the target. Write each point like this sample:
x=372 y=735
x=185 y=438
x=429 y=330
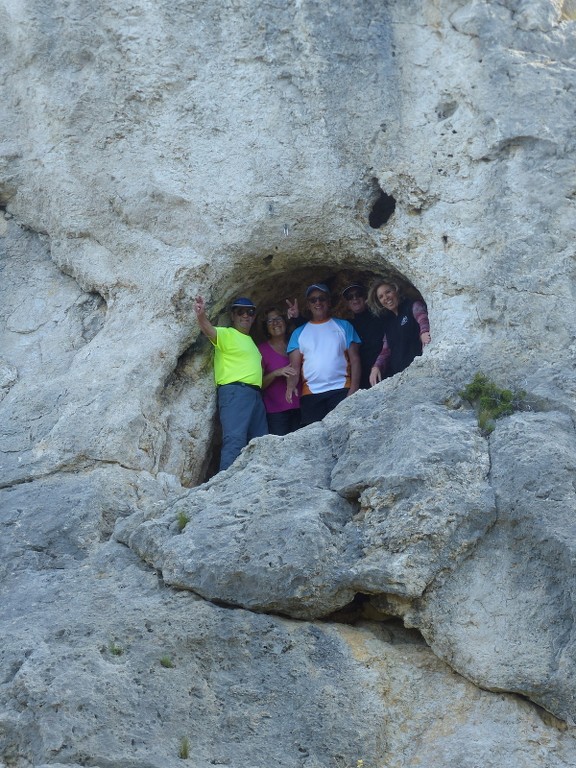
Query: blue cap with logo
x=317 y=287
x=242 y=301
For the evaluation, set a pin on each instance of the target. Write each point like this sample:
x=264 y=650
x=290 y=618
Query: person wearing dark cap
x=325 y=352
x=368 y=326
x=238 y=376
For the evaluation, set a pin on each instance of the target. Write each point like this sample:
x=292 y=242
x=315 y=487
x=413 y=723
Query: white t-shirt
x=324 y=347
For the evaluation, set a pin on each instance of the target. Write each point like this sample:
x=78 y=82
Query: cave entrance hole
x=272 y=287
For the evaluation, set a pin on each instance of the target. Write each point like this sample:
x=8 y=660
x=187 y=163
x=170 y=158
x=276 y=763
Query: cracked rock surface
x=301 y=537
x=468 y=542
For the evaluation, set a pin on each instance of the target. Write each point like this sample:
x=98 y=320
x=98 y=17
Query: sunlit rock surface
x=470 y=540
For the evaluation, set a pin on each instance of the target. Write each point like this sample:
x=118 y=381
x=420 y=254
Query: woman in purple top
x=283 y=416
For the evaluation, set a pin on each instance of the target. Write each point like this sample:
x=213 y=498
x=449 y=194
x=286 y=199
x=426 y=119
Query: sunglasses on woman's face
x=317 y=299
x=241 y=311
x=354 y=295
x=274 y=320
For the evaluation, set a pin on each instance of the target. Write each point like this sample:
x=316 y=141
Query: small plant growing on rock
x=182 y=519
x=184 y=751
x=166 y=662
x=115 y=650
x=490 y=401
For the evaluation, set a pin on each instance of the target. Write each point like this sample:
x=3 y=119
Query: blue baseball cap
x=317 y=287
x=242 y=301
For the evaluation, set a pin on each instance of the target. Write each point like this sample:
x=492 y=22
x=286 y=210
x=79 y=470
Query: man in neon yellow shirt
x=238 y=376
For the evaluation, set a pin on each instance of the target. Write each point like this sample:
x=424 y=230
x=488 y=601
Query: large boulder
x=467 y=538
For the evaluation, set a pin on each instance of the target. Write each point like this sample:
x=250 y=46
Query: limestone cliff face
x=152 y=151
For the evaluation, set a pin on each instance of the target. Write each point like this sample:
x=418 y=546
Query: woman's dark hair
x=265 y=313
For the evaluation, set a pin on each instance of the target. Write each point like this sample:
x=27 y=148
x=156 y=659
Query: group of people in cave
x=307 y=365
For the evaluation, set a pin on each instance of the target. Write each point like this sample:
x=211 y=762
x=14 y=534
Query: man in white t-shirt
x=325 y=352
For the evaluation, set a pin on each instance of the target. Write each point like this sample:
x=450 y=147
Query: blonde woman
x=406 y=329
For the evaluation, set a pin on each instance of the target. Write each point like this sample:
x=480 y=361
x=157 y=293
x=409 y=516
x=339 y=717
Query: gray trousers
x=242 y=416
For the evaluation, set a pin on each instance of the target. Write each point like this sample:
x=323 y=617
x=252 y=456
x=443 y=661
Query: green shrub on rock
x=491 y=402
x=182 y=520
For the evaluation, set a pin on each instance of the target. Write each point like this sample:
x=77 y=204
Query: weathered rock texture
x=152 y=151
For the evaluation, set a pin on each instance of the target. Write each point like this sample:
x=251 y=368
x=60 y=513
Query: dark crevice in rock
x=351 y=613
x=545 y=715
x=40 y=232
x=184 y=367
x=212 y=457
x=354 y=502
x=360 y=612
x=27 y=480
x=7 y=193
x=80 y=464
x=91 y=311
x=382 y=209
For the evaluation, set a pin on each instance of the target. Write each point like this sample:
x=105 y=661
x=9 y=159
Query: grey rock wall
x=472 y=543
x=149 y=152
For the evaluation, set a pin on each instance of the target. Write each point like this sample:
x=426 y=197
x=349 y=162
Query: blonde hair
x=373 y=302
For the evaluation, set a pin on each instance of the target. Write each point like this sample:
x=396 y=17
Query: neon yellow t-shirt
x=236 y=358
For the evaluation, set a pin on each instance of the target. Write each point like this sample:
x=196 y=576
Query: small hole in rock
x=446 y=109
x=382 y=209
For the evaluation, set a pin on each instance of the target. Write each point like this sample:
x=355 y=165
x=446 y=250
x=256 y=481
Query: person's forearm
x=291 y=386
x=421 y=316
x=295 y=358
x=355 y=368
x=354 y=379
x=381 y=361
x=206 y=326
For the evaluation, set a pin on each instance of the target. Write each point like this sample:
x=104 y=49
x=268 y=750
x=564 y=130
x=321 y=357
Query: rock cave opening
x=272 y=287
